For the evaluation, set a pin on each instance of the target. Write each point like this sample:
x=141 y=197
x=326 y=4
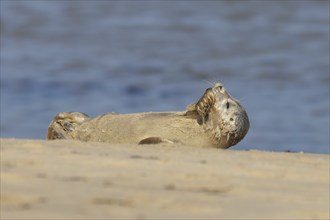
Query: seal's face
x=223 y=115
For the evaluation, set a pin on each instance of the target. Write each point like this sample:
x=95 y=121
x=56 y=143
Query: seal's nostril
x=227 y=104
x=231 y=119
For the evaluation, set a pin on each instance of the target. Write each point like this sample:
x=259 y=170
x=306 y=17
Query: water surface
x=122 y=56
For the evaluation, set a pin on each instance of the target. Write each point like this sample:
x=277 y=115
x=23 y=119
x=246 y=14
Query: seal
x=215 y=120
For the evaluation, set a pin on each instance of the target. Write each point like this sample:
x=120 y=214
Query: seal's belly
x=134 y=128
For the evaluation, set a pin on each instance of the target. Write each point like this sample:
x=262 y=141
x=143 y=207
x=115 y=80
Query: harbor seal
x=215 y=120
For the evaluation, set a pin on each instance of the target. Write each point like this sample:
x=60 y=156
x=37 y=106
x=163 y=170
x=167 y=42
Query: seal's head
x=223 y=116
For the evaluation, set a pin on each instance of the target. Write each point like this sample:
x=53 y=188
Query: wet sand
x=75 y=180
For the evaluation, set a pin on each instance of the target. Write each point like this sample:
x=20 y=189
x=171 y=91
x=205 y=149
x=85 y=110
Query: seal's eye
x=227 y=105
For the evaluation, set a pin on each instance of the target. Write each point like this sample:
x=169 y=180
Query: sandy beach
x=75 y=180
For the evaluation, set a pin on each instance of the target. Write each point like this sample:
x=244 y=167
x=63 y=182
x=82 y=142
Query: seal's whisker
x=215 y=80
x=243 y=98
x=208 y=82
x=212 y=82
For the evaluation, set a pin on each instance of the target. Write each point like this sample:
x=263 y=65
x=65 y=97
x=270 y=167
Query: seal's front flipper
x=155 y=140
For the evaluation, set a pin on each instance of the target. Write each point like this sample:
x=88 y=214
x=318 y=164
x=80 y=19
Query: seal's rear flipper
x=155 y=140
x=64 y=123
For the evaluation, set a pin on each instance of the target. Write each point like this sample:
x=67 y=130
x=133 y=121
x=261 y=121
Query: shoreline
x=64 y=179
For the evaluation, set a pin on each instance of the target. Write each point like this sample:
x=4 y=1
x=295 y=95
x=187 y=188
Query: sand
x=74 y=180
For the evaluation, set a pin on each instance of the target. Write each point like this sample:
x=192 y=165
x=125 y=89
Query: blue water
x=123 y=56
